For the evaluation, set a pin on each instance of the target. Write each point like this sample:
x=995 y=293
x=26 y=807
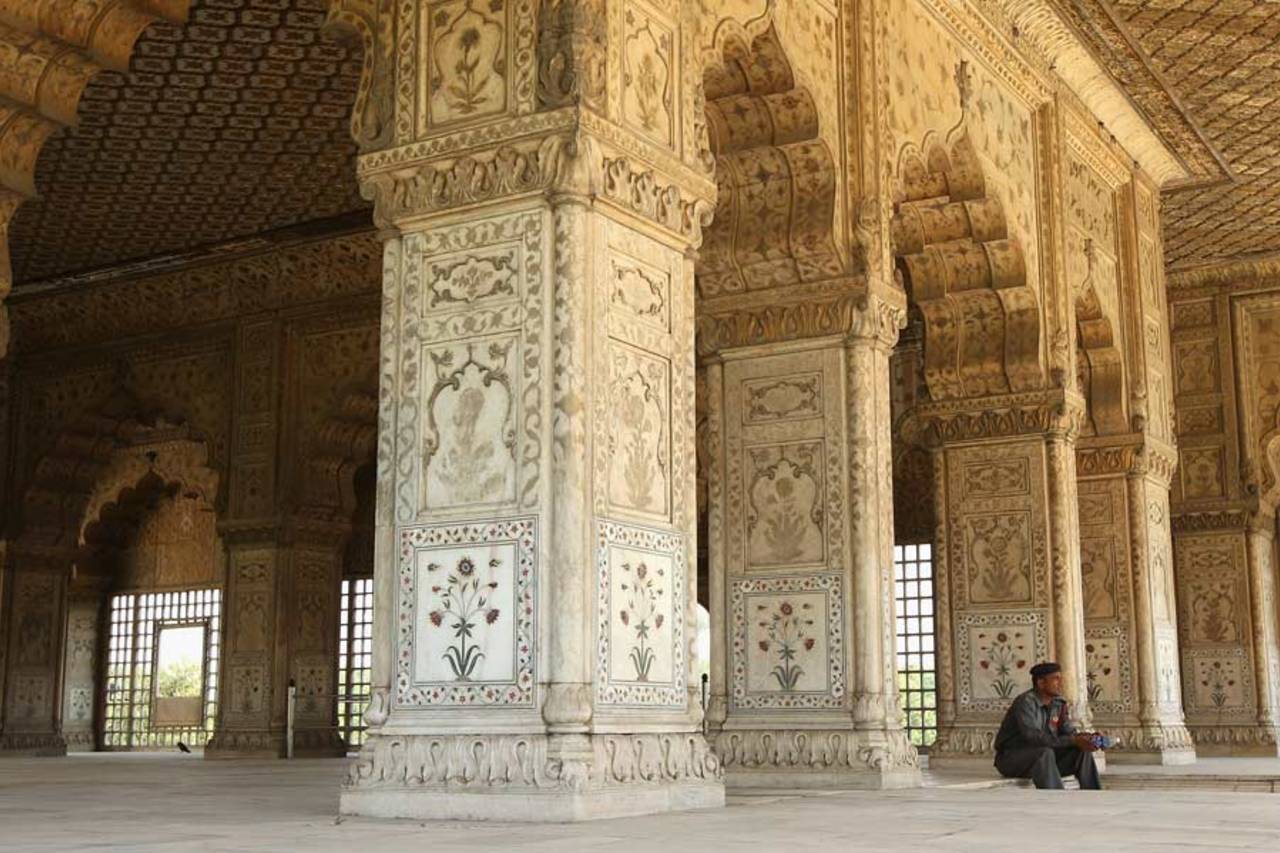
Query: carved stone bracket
x=1040 y=413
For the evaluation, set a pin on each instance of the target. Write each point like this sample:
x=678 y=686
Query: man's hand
x=1084 y=742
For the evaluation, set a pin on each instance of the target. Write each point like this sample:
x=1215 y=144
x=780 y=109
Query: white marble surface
x=133 y=802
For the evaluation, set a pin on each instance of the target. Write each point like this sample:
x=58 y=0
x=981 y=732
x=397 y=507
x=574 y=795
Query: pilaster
x=804 y=686
x=1227 y=626
x=1131 y=651
x=32 y=690
x=1006 y=560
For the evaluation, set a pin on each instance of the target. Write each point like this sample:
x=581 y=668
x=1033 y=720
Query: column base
x=528 y=778
x=21 y=745
x=245 y=744
x=1239 y=741
x=963 y=747
x=318 y=743
x=822 y=758
x=80 y=741
x=1155 y=744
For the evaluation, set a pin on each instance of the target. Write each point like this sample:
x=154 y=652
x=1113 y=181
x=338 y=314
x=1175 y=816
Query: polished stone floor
x=172 y=802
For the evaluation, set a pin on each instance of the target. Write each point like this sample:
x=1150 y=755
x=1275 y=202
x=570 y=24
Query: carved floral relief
x=639 y=445
x=469 y=453
x=785 y=491
x=1098 y=574
x=648 y=56
x=465 y=46
x=782 y=398
x=999 y=558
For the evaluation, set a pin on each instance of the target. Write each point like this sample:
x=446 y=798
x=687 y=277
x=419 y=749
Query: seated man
x=1036 y=740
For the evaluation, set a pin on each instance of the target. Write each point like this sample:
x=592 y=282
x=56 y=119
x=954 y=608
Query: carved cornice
x=1260 y=273
x=1239 y=519
x=1126 y=454
x=205 y=293
x=1041 y=413
x=1095 y=57
x=844 y=308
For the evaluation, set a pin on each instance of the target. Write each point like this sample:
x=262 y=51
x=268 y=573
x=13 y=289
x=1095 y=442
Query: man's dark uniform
x=1035 y=742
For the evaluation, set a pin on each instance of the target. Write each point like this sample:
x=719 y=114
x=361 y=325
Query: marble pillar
x=804 y=688
x=1227 y=625
x=1131 y=624
x=34 y=633
x=536 y=516
x=1006 y=559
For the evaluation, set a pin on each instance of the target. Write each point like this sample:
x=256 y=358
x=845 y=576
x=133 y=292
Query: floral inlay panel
x=788 y=642
x=784 y=520
x=1221 y=683
x=995 y=653
x=1108 y=670
x=464 y=44
x=466 y=614
x=640 y=648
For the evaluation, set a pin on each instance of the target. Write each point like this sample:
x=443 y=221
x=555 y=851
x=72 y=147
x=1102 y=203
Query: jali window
x=162 y=669
x=913 y=589
x=355 y=657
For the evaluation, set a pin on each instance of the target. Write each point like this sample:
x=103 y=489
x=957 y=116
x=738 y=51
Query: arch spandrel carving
x=368 y=23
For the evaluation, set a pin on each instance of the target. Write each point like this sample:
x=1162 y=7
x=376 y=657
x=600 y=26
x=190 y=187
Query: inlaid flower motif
x=1003 y=655
x=464 y=600
x=641 y=615
x=788 y=629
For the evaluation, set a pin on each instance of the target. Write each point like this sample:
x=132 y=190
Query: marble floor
x=173 y=802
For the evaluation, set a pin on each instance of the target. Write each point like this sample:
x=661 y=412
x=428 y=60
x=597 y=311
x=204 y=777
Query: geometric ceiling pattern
x=232 y=124
x=1221 y=59
x=236 y=123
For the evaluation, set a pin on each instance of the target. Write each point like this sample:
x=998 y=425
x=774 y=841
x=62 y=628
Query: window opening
x=162 y=669
x=913 y=588
x=355 y=658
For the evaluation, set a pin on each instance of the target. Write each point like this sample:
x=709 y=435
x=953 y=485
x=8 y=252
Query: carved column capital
x=879 y=319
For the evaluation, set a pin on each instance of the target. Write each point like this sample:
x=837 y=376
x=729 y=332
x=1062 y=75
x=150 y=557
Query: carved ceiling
x=1219 y=62
x=233 y=124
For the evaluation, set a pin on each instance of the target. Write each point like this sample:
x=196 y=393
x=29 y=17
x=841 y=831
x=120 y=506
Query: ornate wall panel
x=996 y=546
x=79 y=689
x=1214 y=624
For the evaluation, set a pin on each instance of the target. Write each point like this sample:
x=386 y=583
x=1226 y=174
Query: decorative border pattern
x=1037 y=619
x=832 y=586
x=672 y=694
x=523 y=532
x=1119 y=633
